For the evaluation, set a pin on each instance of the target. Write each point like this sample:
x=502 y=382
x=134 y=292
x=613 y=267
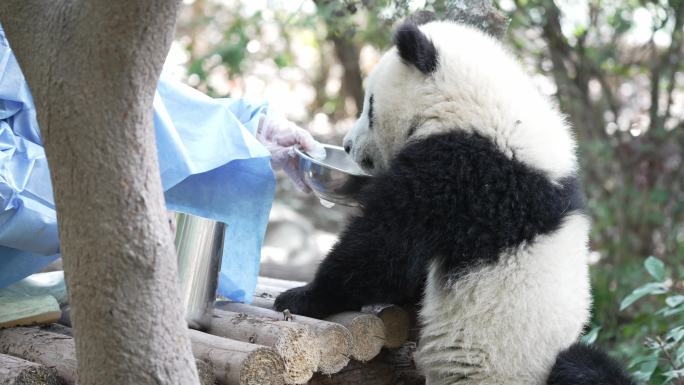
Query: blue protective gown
x=210 y=162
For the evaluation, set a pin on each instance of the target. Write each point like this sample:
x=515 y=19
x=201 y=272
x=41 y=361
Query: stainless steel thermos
x=199 y=246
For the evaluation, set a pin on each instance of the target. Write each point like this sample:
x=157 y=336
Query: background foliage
x=614 y=66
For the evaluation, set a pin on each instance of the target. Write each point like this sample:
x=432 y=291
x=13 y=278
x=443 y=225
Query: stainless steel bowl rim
x=303 y=154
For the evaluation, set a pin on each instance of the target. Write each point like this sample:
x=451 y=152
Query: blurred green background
x=614 y=68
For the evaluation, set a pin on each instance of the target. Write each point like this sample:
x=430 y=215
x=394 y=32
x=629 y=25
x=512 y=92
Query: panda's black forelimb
x=453 y=199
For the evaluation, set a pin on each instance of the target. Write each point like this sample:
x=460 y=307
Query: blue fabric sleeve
x=217 y=169
x=27 y=214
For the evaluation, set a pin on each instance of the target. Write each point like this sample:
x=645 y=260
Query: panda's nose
x=347 y=147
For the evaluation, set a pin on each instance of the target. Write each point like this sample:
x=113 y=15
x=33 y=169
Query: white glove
x=281 y=136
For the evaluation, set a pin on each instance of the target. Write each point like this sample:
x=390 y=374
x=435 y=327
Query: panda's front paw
x=293 y=300
x=299 y=301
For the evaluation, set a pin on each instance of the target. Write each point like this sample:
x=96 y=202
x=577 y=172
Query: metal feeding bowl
x=336 y=178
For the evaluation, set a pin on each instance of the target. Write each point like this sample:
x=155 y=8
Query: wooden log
x=28 y=310
x=238 y=363
x=396 y=321
x=334 y=340
x=16 y=371
x=391 y=367
x=53 y=350
x=268 y=292
x=279 y=283
x=367 y=330
x=205 y=371
x=295 y=343
x=58 y=328
x=230 y=362
x=403 y=364
x=357 y=373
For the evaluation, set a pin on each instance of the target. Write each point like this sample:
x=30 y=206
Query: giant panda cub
x=475 y=212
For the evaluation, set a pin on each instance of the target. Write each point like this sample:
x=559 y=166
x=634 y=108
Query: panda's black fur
x=587 y=365
x=453 y=199
x=452 y=195
x=415 y=48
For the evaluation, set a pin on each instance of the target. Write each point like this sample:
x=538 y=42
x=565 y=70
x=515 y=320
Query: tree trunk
x=92 y=67
x=352 y=81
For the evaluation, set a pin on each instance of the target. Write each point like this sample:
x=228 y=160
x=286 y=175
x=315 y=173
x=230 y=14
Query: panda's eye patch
x=370 y=112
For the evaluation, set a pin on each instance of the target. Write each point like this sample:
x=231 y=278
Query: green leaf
x=679 y=356
x=646 y=369
x=675 y=334
x=590 y=337
x=676 y=310
x=672 y=374
x=675 y=300
x=648 y=289
x=655 y=267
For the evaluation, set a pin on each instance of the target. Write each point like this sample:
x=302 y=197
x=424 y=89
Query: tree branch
x=479 y=13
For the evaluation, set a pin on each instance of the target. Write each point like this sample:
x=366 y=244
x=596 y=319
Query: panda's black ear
x=415 y=48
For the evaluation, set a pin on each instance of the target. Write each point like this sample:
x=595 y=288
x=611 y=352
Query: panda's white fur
x=478 y=85
x=505 y=324
x=479 y=331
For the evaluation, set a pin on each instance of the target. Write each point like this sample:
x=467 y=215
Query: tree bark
x=479 y=13
x=15 y=371
x=92 y=67
x=352 y=81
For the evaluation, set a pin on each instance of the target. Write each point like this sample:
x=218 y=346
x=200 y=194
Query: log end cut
x=299 y=349
x=263 y=366
x=367 y=332
x=396 y=321
x=335 y=342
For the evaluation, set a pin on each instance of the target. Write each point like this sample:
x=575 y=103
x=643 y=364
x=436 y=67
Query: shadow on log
x=391 y=367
